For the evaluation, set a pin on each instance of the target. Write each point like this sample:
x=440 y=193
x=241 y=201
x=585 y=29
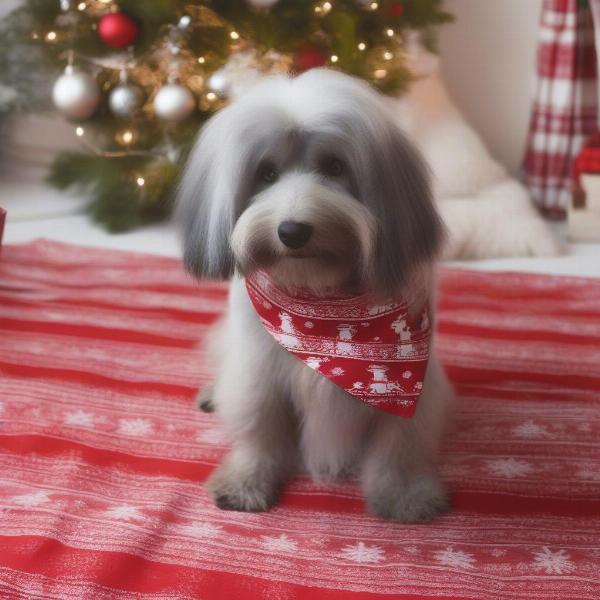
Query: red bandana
x=370 y=349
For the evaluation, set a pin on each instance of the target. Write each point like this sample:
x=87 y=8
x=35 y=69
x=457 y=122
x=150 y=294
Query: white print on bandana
x=288 y=333
x=347 y=332
x=380 y=384
x=314 y=362
x=373 y=350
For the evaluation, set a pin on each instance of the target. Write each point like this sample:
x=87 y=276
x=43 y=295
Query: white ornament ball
x=262 y=3
x=125 y=100
x=219 y=83
x=76 y=94
x=174 y=102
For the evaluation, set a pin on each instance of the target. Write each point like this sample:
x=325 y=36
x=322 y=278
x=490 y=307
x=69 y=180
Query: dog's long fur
x=374 y=226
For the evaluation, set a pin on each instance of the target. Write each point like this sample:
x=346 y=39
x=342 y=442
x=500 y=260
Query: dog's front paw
x=420 y=499
x=232 y=490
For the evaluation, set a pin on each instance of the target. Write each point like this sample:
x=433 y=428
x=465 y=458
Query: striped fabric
x=103 y=455
x=564 y=110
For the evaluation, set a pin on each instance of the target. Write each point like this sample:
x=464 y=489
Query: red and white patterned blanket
x=103 y=454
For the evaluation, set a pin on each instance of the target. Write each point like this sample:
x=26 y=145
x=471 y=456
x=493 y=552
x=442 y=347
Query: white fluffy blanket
x=487 y=212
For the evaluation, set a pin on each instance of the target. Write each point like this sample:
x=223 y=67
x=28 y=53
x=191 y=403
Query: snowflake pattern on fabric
x=553 y=562
x=509 y=467
x=361 y=553
x=135 y=427
x=279 y=543
x=590 y=473
x=200 y=529
x=79 y=418
x=457 y=559
x=214 y=436
x=32 y=499
x=529 y=430
x=125 y=512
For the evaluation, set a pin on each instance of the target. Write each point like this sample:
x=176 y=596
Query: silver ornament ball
x=125 y=100
x=174 y=102
x=76 y=94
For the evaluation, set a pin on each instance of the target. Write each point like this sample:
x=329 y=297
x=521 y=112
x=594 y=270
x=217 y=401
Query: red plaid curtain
x=564 y=111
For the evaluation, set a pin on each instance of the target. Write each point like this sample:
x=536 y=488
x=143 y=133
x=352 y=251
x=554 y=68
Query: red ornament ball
x=117 y=30
x=396 y=9
x=309 y=57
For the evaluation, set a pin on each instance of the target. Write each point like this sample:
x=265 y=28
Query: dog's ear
x=206 y=204
x=398 y=192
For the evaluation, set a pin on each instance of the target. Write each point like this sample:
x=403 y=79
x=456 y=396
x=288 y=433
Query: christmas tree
x=138 y=79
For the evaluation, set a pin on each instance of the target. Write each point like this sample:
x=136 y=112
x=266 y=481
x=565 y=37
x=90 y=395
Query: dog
x=309 y=179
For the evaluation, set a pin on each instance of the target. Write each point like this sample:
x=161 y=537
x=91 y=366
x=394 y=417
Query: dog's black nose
x=294 y=234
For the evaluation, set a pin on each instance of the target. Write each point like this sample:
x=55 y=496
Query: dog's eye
x=331 y=166
x=267 y=173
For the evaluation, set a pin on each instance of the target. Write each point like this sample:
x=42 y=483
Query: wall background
x=488 y=59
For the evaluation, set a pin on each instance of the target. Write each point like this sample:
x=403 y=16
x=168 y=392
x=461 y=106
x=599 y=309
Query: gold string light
x=323 y=8
x=126 y=137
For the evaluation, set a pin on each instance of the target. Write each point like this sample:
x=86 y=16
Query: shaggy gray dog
x=310 y=179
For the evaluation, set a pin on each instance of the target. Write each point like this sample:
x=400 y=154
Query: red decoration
x=117 y=30
x=396 y=9
x=329 y=336
x=586 y=162
x=309 y=57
